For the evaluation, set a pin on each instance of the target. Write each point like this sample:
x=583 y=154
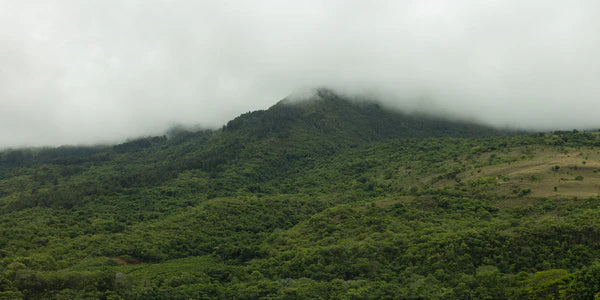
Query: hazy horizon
x=76 y=73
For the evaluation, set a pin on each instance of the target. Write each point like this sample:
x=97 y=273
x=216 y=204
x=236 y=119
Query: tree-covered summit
x=348 y=120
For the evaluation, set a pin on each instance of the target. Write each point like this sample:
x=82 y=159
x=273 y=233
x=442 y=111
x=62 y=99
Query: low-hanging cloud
x=81 y=72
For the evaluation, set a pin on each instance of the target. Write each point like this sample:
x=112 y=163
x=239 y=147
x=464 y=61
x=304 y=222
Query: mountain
x=347 y=121
x=327 y=197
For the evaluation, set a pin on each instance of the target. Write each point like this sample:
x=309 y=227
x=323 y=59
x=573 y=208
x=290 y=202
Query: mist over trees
x=86 y=73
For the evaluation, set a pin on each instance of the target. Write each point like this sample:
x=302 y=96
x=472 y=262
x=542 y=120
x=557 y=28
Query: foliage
x=319 y=199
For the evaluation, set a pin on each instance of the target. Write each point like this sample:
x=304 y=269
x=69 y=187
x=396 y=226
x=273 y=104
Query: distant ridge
x=321 y=122
x=347 y=120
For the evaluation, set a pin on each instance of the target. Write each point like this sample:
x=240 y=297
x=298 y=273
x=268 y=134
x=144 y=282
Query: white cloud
x=93 y=71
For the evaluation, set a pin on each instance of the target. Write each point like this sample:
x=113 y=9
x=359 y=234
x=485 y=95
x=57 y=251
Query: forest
x=328 y=198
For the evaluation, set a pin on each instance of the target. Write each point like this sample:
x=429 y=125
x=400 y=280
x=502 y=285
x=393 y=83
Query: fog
x=84 y=72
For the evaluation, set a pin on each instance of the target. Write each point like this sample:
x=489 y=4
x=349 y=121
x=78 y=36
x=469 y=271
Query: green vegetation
x=319 y=199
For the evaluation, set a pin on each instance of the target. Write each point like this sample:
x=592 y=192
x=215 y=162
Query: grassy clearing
x=390 y=202
x=547 y=172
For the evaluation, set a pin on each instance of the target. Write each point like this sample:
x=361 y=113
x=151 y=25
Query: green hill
x=322 y=198
x=346 y=121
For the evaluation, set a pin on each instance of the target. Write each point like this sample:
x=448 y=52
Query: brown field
x=536 y=173
x=390 y=202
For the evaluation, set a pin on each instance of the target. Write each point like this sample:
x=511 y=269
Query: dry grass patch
x=390 y=202
x=577 y=175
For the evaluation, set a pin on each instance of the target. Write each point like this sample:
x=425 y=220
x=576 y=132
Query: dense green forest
x=318 y=199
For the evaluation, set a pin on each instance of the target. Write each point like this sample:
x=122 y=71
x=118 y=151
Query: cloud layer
x=81 y=72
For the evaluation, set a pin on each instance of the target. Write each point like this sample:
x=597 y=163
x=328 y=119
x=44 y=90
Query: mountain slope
x=319 y=199
x=347 y=121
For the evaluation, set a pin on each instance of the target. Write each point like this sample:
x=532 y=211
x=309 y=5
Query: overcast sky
x=81 y=72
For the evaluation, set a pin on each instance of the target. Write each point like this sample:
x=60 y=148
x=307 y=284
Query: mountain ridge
x=327 y=111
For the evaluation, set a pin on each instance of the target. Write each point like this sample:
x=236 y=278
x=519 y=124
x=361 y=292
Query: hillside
x=323 y=198
x=348 y=121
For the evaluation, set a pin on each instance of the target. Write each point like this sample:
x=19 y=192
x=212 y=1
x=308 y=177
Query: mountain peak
x=323 y=112
x=310 y=95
